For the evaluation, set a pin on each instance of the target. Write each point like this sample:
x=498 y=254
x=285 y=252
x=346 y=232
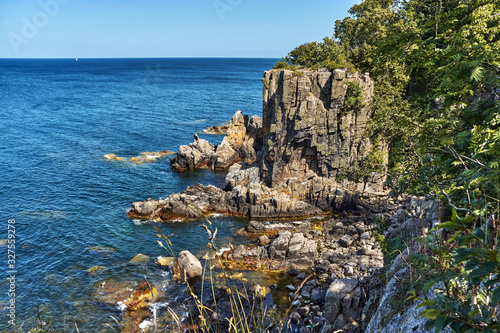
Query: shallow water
x=57 y=119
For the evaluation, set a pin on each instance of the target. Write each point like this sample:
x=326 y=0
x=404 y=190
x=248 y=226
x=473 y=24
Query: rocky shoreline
x=293 y=162
x=333 y=268
x=289 y=174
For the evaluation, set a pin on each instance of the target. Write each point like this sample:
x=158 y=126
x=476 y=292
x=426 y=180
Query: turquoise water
x=57 y=119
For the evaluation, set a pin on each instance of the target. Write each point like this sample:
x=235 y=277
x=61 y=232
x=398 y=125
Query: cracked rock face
x=308 y=129
x=287 y=163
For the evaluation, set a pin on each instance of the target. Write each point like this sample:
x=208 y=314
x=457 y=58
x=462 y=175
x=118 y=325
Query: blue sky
x=163 y=28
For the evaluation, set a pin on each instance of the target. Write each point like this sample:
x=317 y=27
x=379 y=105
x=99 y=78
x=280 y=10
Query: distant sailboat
x=76 y=59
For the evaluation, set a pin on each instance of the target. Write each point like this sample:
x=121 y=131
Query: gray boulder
x=187 y=265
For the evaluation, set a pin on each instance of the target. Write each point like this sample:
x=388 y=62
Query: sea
x=65 y=206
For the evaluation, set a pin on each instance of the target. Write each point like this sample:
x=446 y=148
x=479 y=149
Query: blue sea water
x=57 y=119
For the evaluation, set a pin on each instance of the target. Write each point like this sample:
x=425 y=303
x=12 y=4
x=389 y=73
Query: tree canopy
x=436 y=67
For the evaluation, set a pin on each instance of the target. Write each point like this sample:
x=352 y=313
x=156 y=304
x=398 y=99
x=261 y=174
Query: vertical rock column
x=307 y=128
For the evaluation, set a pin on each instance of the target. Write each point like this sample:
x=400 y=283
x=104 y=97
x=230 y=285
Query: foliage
x=436 y=67
x=354 y=100
x=466 y=276
x=328 y=53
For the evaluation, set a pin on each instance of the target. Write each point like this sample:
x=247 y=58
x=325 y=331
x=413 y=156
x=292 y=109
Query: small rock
x=140 y=259
x=164 y=261
x=345 y=241
x=301 y=276
x=296 y=303
x=101 y=249
x=316 y=296
x=303 y=311
x=312 y=283
x=264 y=240
x=365 y=235
x=323 y=277
x=290 y=288
x=321 y=266
x=306 y=291
x=349 y=271
x=316 y=308
x=295 y=317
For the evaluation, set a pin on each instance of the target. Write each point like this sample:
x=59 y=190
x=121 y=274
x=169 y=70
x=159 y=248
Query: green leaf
x=491 y=282
x=477 y=74
x=430 y=313
x=463 y=254
x=479 y=233
x=426 y=303
x=495 y=297
x=455 y=326
x=427 y=286
x=439 y=323
x=454 y=216
x=449 y=225
x=471 y=264
x=472 y=314
x=483 y=270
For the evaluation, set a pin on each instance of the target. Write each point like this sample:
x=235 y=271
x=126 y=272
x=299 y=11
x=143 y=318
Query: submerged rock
x=222 y=129
x=112 y=292
x=143 y=157
x=141 y=296
x=102 y=249
x=140 y=259
x=164 y=261
x=95 y=270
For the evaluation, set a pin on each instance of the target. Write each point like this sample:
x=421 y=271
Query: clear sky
x=163 y=28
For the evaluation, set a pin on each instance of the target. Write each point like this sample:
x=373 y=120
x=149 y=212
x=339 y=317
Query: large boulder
x=301 y=250
x=197 y=155
x=187 y=266
x=338 y=298
x=279 y=246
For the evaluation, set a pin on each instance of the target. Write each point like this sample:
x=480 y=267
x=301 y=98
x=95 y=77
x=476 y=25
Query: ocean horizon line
x=111 y=58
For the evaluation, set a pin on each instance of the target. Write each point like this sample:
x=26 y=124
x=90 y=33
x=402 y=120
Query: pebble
x=303 y=311
x=295 y=317
x=296 y=303
x=312 y=283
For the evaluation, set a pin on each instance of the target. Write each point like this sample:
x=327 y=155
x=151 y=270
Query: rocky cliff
x=295 y=161
x=309 y=128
